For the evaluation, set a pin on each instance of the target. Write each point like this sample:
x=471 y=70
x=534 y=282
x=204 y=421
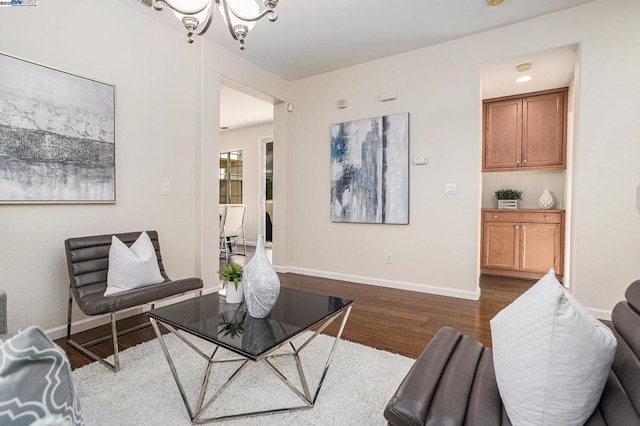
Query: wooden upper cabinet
x=525 y=132
x=503 y=134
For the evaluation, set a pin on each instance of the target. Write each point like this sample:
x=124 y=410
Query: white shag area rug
x=360 y=382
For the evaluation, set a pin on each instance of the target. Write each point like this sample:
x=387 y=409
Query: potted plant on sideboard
x=508 y=198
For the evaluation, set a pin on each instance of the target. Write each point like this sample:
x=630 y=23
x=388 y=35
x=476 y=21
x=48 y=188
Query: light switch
x=420 y=160
x=165 y=188
x=187 y=189
x=450 y=189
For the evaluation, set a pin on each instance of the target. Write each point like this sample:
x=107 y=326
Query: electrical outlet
x=388 y=258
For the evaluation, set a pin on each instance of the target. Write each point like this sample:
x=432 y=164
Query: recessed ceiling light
x=494 y=2
x=523 y=79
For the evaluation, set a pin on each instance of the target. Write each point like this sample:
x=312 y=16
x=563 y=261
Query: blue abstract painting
x=370 y=170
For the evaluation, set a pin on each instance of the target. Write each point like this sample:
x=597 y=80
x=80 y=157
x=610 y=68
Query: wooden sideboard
x=522 y=243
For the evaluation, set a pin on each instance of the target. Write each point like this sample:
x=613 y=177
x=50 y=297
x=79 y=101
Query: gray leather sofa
x=453 y=380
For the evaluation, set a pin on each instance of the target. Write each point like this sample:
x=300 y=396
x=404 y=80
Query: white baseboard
x=98 y=320
x=601 y=314
x=400 y=285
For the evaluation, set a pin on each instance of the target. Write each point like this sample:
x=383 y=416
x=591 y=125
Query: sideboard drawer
x=523 y=217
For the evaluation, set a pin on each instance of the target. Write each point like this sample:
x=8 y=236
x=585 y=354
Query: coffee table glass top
x=230 y=326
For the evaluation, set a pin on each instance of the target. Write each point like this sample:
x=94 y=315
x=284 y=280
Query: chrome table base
x=196 y=414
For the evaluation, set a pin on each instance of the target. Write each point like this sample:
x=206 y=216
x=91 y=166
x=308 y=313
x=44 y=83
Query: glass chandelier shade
x=240 y=16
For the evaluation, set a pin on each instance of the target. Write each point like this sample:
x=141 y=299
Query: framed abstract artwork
x=370 y=170
x=57 y=135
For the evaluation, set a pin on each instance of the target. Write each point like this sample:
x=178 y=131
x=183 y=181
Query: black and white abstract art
x=57 y=135
x=370 y=170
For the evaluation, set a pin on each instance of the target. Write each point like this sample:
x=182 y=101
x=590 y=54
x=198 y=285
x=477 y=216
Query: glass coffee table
x=229 y=326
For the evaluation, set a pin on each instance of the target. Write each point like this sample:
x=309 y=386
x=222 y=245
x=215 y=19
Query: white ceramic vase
x=546 y=201
x=261 y=283
x=234 y=295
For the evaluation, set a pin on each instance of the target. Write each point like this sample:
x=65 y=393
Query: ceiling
x=313 y=37
x=239 y=110
x=550 y=69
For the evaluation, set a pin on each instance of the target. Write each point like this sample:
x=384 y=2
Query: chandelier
x=239 y=15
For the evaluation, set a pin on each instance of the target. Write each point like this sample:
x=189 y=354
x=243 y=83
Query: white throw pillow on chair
x=132 y=267
x=551 y=356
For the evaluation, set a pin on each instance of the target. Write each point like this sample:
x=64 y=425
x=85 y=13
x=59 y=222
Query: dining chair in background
x=232 y=229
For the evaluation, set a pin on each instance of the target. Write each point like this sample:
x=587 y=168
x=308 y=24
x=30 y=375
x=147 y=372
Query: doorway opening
x=527 y=141
x=267 y=145
x=246 y=121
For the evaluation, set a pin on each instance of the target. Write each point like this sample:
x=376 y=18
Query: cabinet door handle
x=516 y=227
x=517 y=161
x=524 y=227
x=525 y=161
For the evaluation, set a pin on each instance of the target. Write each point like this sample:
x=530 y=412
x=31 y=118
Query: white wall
x=438 y=250
x=529 y=182
x=167 y=109
x=440 y=87
x=249 y=140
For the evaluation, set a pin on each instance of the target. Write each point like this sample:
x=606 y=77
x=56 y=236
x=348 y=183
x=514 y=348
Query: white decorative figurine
x=545 y=201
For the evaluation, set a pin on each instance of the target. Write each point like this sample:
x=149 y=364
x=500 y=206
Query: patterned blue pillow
x=36 y=382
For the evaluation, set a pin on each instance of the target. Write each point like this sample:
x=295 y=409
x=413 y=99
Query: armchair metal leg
x=83 y=347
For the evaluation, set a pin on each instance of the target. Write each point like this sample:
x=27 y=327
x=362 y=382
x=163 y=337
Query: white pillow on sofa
x=551 y=356
x=132 y=267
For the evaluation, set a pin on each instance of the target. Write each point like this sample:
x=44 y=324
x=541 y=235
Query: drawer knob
x=495 y=216
x=547 y=217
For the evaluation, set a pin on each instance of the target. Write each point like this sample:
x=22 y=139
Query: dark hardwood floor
x=393 y=320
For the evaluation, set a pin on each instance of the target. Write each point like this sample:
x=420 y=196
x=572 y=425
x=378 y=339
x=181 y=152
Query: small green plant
x=508 y=194
x=231 y=272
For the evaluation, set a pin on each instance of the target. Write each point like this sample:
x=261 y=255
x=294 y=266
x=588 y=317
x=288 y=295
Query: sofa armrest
x=3 y=312
x=410 y=404
x=451 y=383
